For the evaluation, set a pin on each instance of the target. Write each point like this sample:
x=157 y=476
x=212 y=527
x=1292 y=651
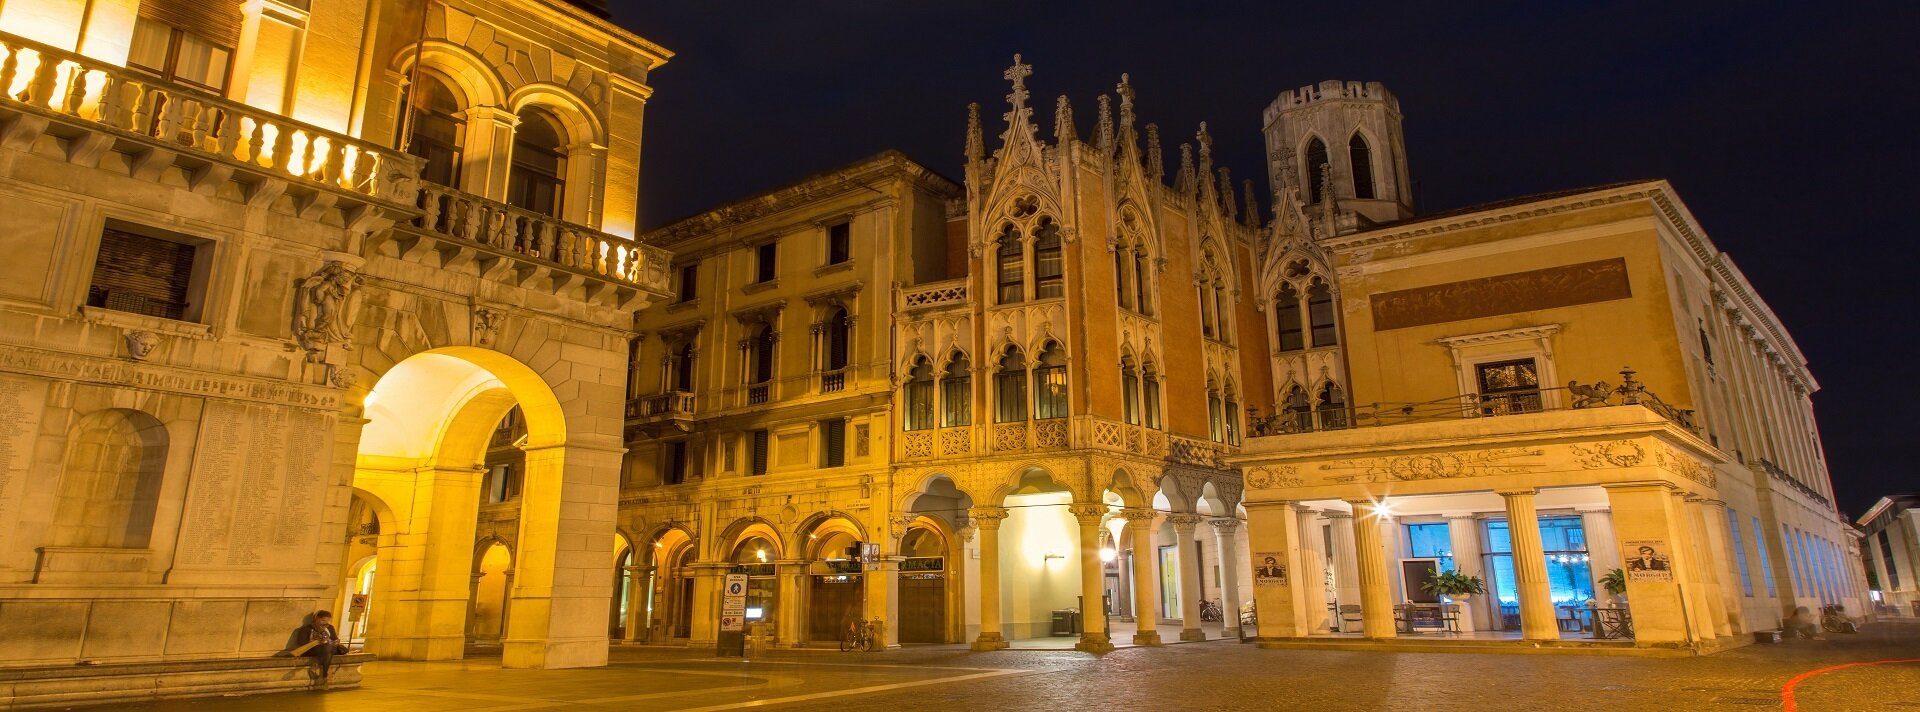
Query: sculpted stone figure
x=140 y=344
x=325 y=304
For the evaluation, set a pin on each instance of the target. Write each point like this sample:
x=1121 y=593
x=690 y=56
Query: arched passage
x=431 y=418
x=932 y=586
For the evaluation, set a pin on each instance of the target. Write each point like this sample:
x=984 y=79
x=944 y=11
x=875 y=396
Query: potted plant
x=1454 y=584
x=1616 y=583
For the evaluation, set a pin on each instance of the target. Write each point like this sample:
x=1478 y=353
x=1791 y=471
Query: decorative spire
x=1156 y=166
x=1252 y=213
x=1183 y=181
x=1018 y=74
x=1063 y=132
x=1227 y=206
x=1206 y=147
x=1103 y=125
x=976 y=143
x=1125 y=90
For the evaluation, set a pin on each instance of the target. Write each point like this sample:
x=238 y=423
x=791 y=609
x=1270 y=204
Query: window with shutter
x=834 y=440
x=759 y=455
x=144 y=275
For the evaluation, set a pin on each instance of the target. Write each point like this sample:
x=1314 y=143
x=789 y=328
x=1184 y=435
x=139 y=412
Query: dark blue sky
x=1788 y=129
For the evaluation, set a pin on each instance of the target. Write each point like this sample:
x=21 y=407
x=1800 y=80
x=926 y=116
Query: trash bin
x=1066 y=622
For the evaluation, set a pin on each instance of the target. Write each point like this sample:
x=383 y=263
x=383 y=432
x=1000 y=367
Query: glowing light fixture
x=1107 y=554
x=760 y=554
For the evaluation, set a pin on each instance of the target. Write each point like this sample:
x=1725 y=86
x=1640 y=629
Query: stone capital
x=1137 y=515
x=1089 y=513
x=1224 y=525
x=1511 y=493
x=1336 y=514
x=987 y=517
x=1184 y=522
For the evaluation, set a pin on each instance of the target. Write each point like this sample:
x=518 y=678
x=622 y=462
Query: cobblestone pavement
x=1221 y=675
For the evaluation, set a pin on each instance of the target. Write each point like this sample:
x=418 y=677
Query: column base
x=1230 y=632
x=1096 y=643
x=1192 y=635
x=989 y=641
x=1151 y=637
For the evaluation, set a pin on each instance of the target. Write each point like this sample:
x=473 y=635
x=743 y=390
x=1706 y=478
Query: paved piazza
x=1218 y=675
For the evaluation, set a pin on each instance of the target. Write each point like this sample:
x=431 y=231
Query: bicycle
x=1210 y=611
x=1834 y=619
x=861 y=635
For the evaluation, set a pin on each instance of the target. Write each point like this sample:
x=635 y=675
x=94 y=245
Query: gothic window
x=1286 y=311
x=436 y=132
x=683 y=367
x=1297 y=414
x=760 y=350
x=1048 y=265
x=1050 y=383
x=537 y=179
x=1130 y=390
x=1010 y=387
x=1140 y=282
x=1215 y=423
x=919 y=395
x=956 y=392
x=1361 y=157
x=1206 y=309
x=1316 y=169
x=1121 y=266
x=1222 y=313
x=1150 y=395
x=1333 y=407
x=839 y=335
x=1230 y=415
x=1320 y=314
x=1012 y=267
x=110 y=482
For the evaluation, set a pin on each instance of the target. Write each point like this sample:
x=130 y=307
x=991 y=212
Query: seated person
x=319 y=640
x=1803 y=625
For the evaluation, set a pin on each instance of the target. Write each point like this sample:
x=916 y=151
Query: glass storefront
x=1569 y=576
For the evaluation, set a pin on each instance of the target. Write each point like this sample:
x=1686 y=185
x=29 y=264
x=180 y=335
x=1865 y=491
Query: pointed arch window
x=1130 y=390
x=1287 y=318
x=1010 y=387
x=1011 y=263
x=956 y=392
x=1230 y=414
x=1049 y=266
x=536 y=181
x=1297 y=414
x=1316 y=169
x=1222 y=311
x=1360 y=156
x=1216 y=426
x=919 y=395
x=437 y=131
x=1140 y=281
x=1206 y=309
x=1320 y=314
x=1150 y=395
x=1122 y=265
x=1050 y=383
x=1333 y=407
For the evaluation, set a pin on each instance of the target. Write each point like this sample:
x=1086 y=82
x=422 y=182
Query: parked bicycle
x=861 y=635
x=1210 y=611
x=1834 y=619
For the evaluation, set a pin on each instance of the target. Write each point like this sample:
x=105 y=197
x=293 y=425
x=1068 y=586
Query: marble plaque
x=1563 y=286
x=259 y=476
x=22 y=401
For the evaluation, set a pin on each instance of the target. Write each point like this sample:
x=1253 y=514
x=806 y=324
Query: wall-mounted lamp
x=1051 y=555
x=1107 y=554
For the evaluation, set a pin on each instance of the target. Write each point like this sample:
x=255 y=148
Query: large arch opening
x=1039 y=559
x=932 y=593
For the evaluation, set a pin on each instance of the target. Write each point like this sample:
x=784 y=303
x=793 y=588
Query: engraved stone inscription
x=1564 y=286
x=22 y=401
x=254 y=497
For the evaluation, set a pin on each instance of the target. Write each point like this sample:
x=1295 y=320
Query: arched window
x=1048 y=265
x=683 y=368
x=839 y=339
x=537 y=180
x=1130 y=389
x=919 y=395
x=110 y=483
x=1333 y=407
x=1316 y=169
x=1286 y=313
x=1297 y=413
x=1150 y=394
x=1050 y=383
x=1216 y=426
x=1320 y=313
x=1205 y=296
x=1010 y=387
x=1012 y=267
x=1230 y=414
x=956 y=392
x=436 y=136
x=761 y=351
x=1122 y=265
x=1140 y=281
x=1361 y=157
x=1222 y=311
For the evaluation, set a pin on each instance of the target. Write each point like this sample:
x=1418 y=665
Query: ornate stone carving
x=1435 y=466
x=1271 y=477
x=140 y=344
x=486 y=324
x=1617 y=453
x=342 y=376
x=325 y=305
x=1680 y=464
x=1089 y=513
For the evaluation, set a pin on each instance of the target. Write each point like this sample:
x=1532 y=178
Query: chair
x=1350 y=612
x=1612 y=623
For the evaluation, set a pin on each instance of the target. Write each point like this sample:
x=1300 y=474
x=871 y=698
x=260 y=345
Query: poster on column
x=1268 y=569
x=1647 y=560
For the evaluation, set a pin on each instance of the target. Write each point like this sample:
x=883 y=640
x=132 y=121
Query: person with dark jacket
x=319 y=640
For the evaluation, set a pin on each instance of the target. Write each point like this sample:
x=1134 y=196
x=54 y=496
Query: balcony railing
x=757 y=393
x=671 y=404
x=1309 y=418
x=61 y=83
x=833 y=381
x=935 y=294
x=475 y=220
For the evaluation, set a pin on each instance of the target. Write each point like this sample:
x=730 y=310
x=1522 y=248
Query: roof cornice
x=823 y=186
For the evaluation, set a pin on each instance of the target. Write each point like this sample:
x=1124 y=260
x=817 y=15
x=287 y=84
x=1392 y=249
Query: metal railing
x=1301 y=418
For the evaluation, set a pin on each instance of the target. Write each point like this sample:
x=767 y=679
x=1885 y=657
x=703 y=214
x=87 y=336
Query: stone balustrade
x=951 y=292
x=55 y=83
x=671 y=404
x=473 y=220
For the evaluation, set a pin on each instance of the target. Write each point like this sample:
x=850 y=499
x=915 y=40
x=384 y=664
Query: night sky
x=1789 y=131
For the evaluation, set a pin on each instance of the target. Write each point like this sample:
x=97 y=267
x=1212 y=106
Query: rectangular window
x=1050 y=392
x=1739 y=551
x=1150 y=403
x=766 y=262
x=147 y=275
x=956 y=401
x=839 y=243
x=919 y=410
x=1048 y=266
x=676 y=465
x=1431 y=540
x=1010 y=396
x=1766 y=562
x=689 y=282
x=758 y=458
x=1130 y=397
x=1563 y=542
x=1508 y=387
x=1011 y=272
x=181 y=55
x=497 y=483
x=833 y=442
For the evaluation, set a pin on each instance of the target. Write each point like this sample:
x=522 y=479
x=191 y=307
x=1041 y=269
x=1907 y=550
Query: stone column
x=1537 y=619
x=705 y=631
x=1602 y=555
x=1691 y=570
x=1273 y=532
x=1370 y=554
x=1463 y=535
x=426 y=579
x=1146 y=597
x=882 y=581
x=582 y=202
x=488 y=151
x=1224 y=529
x=1311 y=575
x=1720 y=560
x=1661 y=611
x=1183 y=530
x=1093 y=620
x=640 y=580
x=789 y=608
x=1346 y=566
x=986 y=522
